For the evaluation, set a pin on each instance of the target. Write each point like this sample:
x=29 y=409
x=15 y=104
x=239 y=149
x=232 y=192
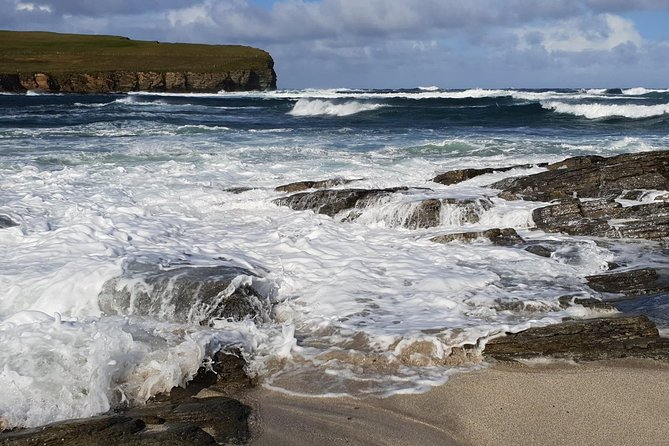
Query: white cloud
x=20 y=6
x=600 y=33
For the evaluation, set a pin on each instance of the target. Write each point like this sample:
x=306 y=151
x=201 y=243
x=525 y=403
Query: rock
x=331 y=202
x=540 y=250
x=305 y=185
x=421 y=213
x=238 y=190
x=590 y=302
x=591 y=177
x=605 y=218
x=125 y=81
x=6 y=222
x=631 y=283
x=632 y=195
x=193 y=294
x=460 y=175
x=500 y=237
x=590 y=339
x=204 y=421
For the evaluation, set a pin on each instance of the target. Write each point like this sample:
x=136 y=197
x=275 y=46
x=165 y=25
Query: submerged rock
x=591 y=177
x=305 y=185
x=501 y=237
x=193 y=294
x=631 y=283
x=591 y=339
x=6 y=222
x=540 y=250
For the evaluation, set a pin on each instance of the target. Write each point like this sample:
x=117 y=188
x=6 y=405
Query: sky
x=397 y=43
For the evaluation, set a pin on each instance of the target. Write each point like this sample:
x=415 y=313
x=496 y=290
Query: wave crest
x=319 y=107
x=599 y=111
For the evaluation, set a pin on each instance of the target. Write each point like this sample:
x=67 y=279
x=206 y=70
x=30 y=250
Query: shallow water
x=99 y=183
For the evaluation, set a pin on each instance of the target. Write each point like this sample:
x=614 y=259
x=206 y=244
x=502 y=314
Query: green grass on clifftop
x=23 y=52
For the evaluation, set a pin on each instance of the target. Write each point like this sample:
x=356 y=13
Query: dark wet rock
x=194 y=294
x=460 y=175
x=420 y=213
x=225 y=374
x=331 y=202
x=6 y=222
x=591 y=177
x=205 y=421
x=631 y=283
x=238 y=190
x=587 y=302
x=305 y=185
x=576 y=162
x=540 y=250
x=500 y=237
x=605 y=218
x=613 y=91
x=576 y=217
x=590 y=339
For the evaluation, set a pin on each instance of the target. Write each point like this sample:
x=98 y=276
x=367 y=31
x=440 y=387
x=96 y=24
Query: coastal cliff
x=71 y=63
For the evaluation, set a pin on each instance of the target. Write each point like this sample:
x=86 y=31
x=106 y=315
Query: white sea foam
x=361 y=307
x=640 y=91
x=317 y=107
x=598 y=111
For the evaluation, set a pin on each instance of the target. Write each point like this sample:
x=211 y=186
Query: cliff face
x=124 y=81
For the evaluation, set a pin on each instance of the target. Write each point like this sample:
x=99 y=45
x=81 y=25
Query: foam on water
x=359 y=305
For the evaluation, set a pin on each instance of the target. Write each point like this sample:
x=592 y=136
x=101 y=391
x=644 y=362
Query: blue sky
x=397 y=43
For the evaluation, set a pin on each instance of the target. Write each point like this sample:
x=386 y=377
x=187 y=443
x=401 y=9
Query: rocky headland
x=70 y=63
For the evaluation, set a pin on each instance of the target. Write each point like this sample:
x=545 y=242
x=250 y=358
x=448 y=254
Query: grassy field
x=23 y=52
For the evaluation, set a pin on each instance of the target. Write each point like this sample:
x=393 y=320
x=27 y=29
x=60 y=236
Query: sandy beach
x=623 y=402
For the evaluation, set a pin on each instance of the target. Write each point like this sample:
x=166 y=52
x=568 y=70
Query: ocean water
x=98 y=183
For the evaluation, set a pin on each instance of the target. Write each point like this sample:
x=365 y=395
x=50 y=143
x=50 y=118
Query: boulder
x=540 y=250
x=581 y=340
x=193 y=294
x=501 y=237
x=591 y=177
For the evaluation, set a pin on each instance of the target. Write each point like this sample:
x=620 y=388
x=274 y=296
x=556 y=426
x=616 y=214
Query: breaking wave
x=318 y=107
x=599 y=111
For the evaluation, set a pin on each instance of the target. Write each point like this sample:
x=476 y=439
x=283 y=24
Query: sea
x=359 y=306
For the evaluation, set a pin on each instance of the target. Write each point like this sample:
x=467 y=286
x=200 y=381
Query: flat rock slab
x=194 y=294
x=591 y=177
x=582 y=340
x=605 y=218
x=331 y=202
x=206 y=421
x=460 y=175
x=631 y=283
x=500 y=237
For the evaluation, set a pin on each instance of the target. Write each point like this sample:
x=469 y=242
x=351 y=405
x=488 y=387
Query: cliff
x=76 y=63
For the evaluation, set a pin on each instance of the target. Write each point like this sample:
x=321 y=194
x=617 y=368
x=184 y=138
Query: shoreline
x=605 y=402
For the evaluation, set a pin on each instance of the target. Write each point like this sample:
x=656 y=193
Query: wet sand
x=607 y=403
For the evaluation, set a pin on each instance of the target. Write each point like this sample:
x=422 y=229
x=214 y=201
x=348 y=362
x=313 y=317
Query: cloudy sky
x=397 y=43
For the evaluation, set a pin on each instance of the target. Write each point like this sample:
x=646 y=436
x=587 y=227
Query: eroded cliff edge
x=73 y=63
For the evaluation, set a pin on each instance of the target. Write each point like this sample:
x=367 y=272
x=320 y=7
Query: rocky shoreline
x=151 y=81
x=604 y=199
